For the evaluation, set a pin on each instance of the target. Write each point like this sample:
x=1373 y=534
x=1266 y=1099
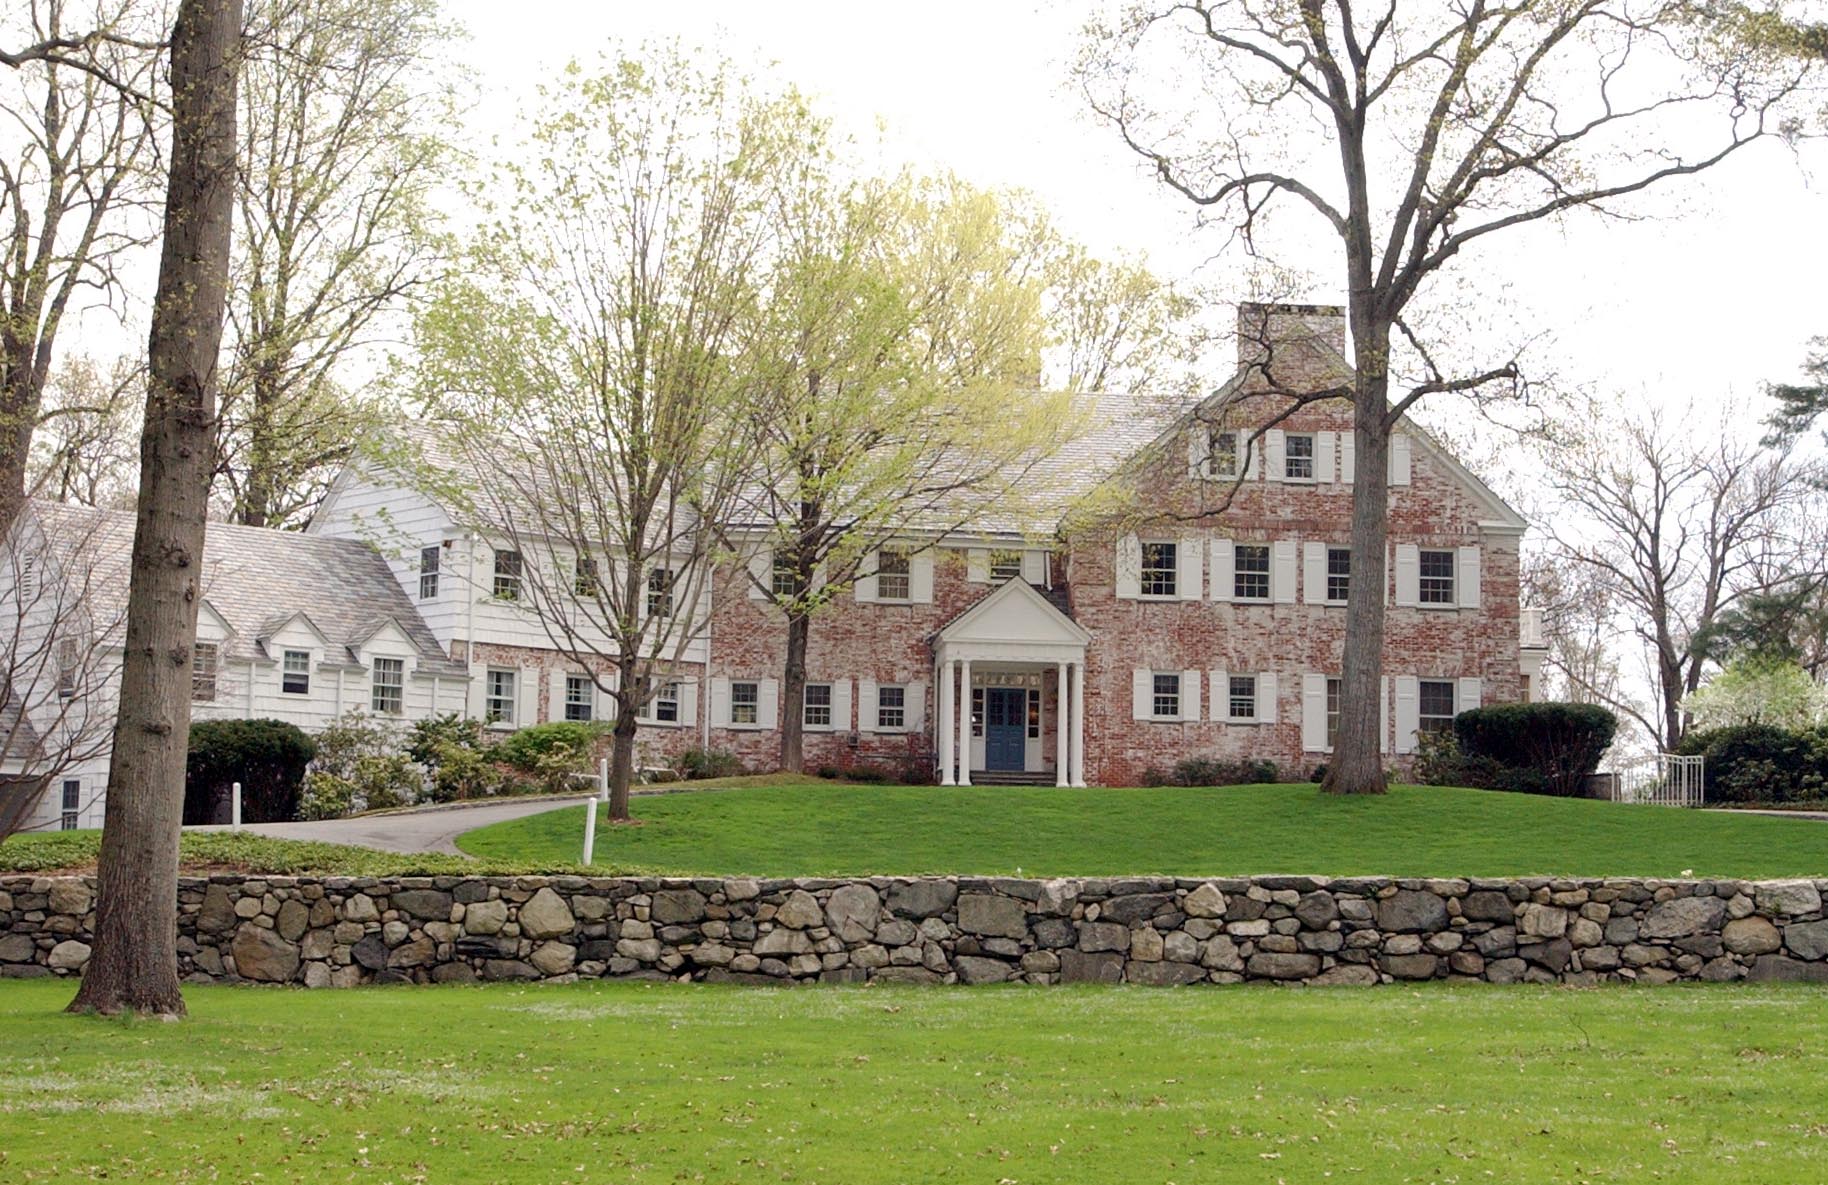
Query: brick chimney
x=1264 y=329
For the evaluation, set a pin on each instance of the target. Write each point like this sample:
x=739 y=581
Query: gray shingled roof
x=257 y=579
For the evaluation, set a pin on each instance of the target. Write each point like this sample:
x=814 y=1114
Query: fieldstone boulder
x=1751 y=936
x=1277 y=965
x=1134 y=907
x=485 y=917
x=370 y=952
x=430 y=905
x=1416 y=966
x=992 y=914
x=1103 y=936
x=416 y=953
x=546 y=916
x=218 y=913
x=17 y=948
x=1081 y=967
x=779 y=941
x=1317 y=910
x=1411 y=911
x=922 y=898
x=1205 y=902
x=554 y=958
x=70 y=955
x=973 y=969
x=262 y=955
x=674 y=907
x=1682 y=916
x=71 y=897
x=853 y=911
x=508 y=969
x=1165 y=974
x=1807 y=940
x=1541 y=921
x=1487 y=905
x=360 y=907
x=800 y=911
x=1057 y=897
x=1787 y=898
x=293 y=920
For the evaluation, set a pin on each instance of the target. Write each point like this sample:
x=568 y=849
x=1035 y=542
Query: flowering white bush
x=1759 y=692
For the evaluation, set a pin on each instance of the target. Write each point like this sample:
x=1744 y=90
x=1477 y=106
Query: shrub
x=268 y=758
x=830 y=773
x=1544 y=748
x=325 y=796
x=363 y=752
x=1214 y=771
x=553 y=756
x=866 y=772
x=696 y=763
x=1760 y=763
x=426 y=737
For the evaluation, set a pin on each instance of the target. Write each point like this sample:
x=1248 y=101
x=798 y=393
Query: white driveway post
x=235 y=809
x=590 y=829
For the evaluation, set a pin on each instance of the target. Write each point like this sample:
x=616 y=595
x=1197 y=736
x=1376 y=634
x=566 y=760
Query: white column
x=964 y=722
x=944 y=723
x=1078 y=714
x=1062 y=714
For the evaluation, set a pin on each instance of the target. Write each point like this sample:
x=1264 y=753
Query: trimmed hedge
x=1542 y=748
x=1760 y=763
x=268 y=758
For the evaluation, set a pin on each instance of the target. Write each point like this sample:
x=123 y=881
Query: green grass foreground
x=818 y=830
x=618 y=1083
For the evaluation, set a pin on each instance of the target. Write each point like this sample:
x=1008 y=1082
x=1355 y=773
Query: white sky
x=1718 y=293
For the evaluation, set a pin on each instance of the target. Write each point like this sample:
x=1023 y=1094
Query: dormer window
x=295 y=672
x=203 y=661
x=1005 y=565
x=1222 y=453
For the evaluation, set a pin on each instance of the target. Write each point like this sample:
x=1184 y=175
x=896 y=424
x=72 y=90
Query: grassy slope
x=1413 y=831
x=206 y=851
x=653 y=1083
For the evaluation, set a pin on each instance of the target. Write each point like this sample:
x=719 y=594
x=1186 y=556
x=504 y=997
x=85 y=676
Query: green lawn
x=813 y=830
x=634 y=1083
x=212 y=851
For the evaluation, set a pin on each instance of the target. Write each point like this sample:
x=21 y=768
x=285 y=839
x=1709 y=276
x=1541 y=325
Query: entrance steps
x=1011 y=777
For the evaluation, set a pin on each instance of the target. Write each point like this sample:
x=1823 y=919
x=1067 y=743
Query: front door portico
x=1005 y=729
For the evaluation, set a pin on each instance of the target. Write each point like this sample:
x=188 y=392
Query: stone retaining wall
x=343 y=931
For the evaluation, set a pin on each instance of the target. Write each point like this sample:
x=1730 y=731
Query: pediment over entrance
x=1013 y=623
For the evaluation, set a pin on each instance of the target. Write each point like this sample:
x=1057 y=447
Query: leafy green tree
x=1758 y=691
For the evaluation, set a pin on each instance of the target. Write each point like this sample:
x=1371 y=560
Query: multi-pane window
x=1167 y=705
x=1437 y=583
x=1435 y=710
x=745 y=703
x=892 y=581
x=584 y=581
x=660 y=592
x=388 y=687
x=1298 y=456
x=818 y=705
x=1160 y=569
x=1250 y=572
x=498 y=697
x=507 y=575
x=783 y=582
x=1034 y=712
x=1335 y=689
x=68 y=659
x=295 y=672
x=665 y=706
x=431 y=559
x=891 y=707
x=580 y=697
x=72 y=803
x=1222 y=453
x=1005 y=565
x=204 y=657
x=1339 y=573
x=977 y=711
x=1241 y=697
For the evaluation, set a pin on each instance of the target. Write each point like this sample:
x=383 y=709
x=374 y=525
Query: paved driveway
x=431 y=829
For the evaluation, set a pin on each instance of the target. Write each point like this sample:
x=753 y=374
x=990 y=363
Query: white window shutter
x=1142 y=694
x=1348 y=456
x=1313 y=713
x=1129 y=567
x=1408 y=575
x=477 y=697
x=1253 y=468
x=1314 y=573
x=1221 y=693
x=841 y=705
x=527 y=697
x=1190 y=695
x=768 y=704
x=1324 y=447
x=1467 y=695
x=1034 y=566
x=865 y=588
x=866 y=705
x=1266 y=699
x=1399 y=460
x=688 y=702
x=1275 y=445
x=920 y=578
x=1383 y=713
x=1282 y=572
x=1224 y=562
x=977 y=565
x=1191 y=559
x=761 y=574
x=603 y=695
x=1467 y=578
x=555 y=694
x=720 y=702
x=1199 y=452
x=914 y=696
x=1408 y=712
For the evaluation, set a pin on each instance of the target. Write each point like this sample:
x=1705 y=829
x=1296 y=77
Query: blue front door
x=1005 y=728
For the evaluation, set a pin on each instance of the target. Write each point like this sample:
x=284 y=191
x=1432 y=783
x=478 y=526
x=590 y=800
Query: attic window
x=203 y=661
x=295 y=673
x=1005 y=565
x=507 y=575
x=1222 y=453
x=430 y=560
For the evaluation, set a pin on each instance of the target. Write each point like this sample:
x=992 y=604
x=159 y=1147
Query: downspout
x=469 y=626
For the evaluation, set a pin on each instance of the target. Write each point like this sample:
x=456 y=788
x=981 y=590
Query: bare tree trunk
x=19 y=410
x=1357 y=766
x=135 y=966
x=622 y=763
x=793 y=693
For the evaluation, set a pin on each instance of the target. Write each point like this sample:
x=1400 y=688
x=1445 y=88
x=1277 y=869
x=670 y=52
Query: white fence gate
x=1665 y=780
